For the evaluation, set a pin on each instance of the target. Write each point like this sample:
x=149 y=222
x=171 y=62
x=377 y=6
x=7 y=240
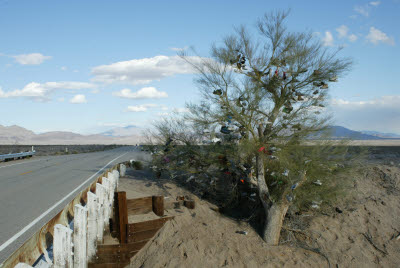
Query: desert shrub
x=137 y=165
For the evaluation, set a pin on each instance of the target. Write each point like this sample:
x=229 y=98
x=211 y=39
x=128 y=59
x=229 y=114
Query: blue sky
x=87 y=66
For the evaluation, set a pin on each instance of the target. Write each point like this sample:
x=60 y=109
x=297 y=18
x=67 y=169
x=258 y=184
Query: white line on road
x=17 y=235
x=22 y=163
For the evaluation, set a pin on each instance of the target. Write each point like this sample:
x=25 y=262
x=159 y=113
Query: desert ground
x=362 y=230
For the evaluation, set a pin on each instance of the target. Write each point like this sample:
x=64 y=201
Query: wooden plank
x=141 y=236
x=140 y=202
x=123 y=248
x=140 y=210
x=123 y=216
x=147 y=225
x=158 y=205
x=115 y=223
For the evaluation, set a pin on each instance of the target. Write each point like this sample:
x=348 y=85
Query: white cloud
x=342 y=31
x=143 y=71
x=363 y=10
x=180 y=110
x=141 y=108
x=162 y=114
x=31 y=59
x=376 y=36
x=42 y=92
x=63 y=68
x=328 y=39
x=143 y=93
x=79 y=98
x=61 y=99
x=352 y=37
x=95 y=91
x=178 y=49
x=380 y=114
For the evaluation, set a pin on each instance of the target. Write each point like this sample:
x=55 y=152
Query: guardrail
x=17 y=155
x=90 y=210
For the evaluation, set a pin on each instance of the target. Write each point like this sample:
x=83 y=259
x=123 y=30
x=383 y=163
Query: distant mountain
x=382 y=135
x=14 y=134
x=123 y=131
x=19 y=135
x=339 y=132
x=131 y=135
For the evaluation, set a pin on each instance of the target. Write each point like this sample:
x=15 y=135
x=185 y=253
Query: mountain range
x=132 y=135
x=19 y=135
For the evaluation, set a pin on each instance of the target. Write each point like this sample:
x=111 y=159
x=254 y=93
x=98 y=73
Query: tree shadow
x=241 y=210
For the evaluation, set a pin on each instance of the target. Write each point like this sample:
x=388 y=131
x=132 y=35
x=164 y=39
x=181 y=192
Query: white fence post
x=101 y=195
x=80 y=233
x=62 y=246
x=116 y=178
x=107 y=185
x=113 y=181
x=122 y=169
x=93 y=213
x=22 y=265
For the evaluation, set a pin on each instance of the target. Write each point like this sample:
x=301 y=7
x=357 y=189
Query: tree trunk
x=275 y=213
x=274 y=221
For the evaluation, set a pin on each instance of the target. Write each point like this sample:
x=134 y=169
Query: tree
x=269 y=89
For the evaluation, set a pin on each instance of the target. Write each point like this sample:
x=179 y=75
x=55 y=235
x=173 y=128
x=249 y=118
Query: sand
x=363 y=235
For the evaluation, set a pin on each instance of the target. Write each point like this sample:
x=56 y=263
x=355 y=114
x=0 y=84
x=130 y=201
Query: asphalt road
x=30 y=188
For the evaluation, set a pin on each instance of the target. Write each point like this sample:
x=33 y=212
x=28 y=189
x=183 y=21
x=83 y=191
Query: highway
x=33 y=191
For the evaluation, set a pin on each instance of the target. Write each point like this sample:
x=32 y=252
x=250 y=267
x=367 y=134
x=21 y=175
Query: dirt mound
x=362 y=232
x=366 y=230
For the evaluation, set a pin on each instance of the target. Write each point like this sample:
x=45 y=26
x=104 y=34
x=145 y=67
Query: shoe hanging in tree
x=324 y=86
x=333 y=79
x=316 y=72
x=317 y=84
x=315 y=92
x=168 y=141
x=225 y=130
x=217 y=92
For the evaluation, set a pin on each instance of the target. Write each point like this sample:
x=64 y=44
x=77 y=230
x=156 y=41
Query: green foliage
x=137 y=165
x=265 y=94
